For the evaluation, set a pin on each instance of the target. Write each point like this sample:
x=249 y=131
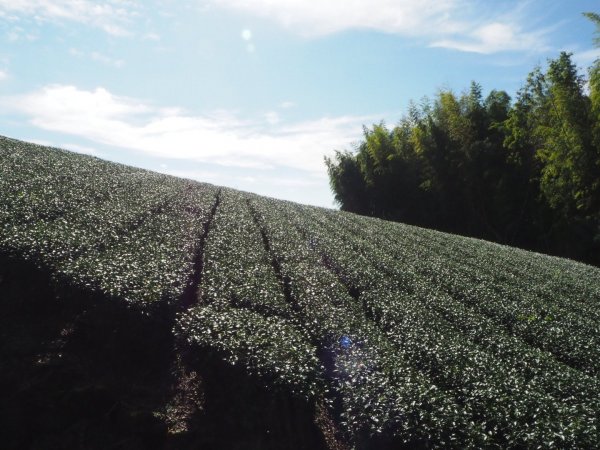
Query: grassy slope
x=386 y=333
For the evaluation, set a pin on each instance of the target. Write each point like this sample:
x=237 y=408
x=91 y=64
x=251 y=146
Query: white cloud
x=326 y=17
x=77 y=53
x=300 y=188
x=3 y=75
x=272 y=118
x=12 y=36
x=287 y=105
x=151 y=37
x=198 y=175
x=66 y=146
x=220 y=138
x=42 y=142
x=495 y=37
x=20 y=34
x=79 y=149
x=443 y=23
x=587 y=57
x=99 y=57
x=109 y=16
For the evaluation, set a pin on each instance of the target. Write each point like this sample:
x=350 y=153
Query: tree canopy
x=523 y=172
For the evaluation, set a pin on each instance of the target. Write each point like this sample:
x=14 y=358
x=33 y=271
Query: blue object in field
x=345 y=341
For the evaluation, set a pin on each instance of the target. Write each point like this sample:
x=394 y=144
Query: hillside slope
x=326 y=329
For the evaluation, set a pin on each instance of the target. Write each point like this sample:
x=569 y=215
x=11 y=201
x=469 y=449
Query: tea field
x=405 y=337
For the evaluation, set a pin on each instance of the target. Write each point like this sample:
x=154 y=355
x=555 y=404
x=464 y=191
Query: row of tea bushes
x=460 y=350
x=411 y=337
x=242 y=312
x=122 y=231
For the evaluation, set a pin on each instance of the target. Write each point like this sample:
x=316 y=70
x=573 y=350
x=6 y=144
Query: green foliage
x=268 y=346
x=347 y=183
x=525 y=174
x=563 y=129
x=410 y=336
x=420 y=336
x=121 y=231
x=594 y=17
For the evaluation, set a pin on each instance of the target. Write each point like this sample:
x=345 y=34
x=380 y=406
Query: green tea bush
x=125 y=232
x=411 y=337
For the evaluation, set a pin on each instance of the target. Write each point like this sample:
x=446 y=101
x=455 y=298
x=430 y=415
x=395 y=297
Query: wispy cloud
x=110 y=16
x=441 y=23
x=495 y=37
x=107 y=60
x=98 y=57
x=272 y=118
x=303 y=189
x=79 y=149
x=326 y=17
x=18 y=33
x=3 y=75
x=587 y=57
x=219 y=138
x=151 y=37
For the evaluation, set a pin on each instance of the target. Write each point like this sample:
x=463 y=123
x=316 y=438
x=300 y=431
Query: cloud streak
x=98 y=57
x=493 y=38
x=110 y=16
x=586 y=57
x=332 y=16
x=219 y=138
x=441 y=23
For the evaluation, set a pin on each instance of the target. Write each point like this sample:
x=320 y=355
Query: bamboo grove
x=523 y=172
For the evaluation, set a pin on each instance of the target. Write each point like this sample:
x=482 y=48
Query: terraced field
x=400 y=336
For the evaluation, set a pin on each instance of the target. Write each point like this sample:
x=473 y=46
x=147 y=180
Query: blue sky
x=253 y=94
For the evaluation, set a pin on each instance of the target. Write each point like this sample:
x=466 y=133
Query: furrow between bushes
x=192 y=295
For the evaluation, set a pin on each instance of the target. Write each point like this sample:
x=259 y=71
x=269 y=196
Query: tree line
x=524 y=173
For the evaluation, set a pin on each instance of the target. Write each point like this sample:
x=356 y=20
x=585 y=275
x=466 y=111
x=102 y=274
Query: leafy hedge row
x=122 y=231
x=410 y=335
x=461 y=350
x=551 y=305
x=243 y=313
x=365 y=376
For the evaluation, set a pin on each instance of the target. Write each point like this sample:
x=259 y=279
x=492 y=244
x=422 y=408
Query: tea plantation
x=386 y=335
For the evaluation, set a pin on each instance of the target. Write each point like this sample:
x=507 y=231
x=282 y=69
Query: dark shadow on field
x=78 y=371
x=239 y=412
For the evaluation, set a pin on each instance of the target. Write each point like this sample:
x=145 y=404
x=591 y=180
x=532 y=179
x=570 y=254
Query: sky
x=253 y=94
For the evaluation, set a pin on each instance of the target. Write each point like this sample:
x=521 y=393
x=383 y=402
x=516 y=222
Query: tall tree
x=347 y=183
x=564 y=129
x=594 y=86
